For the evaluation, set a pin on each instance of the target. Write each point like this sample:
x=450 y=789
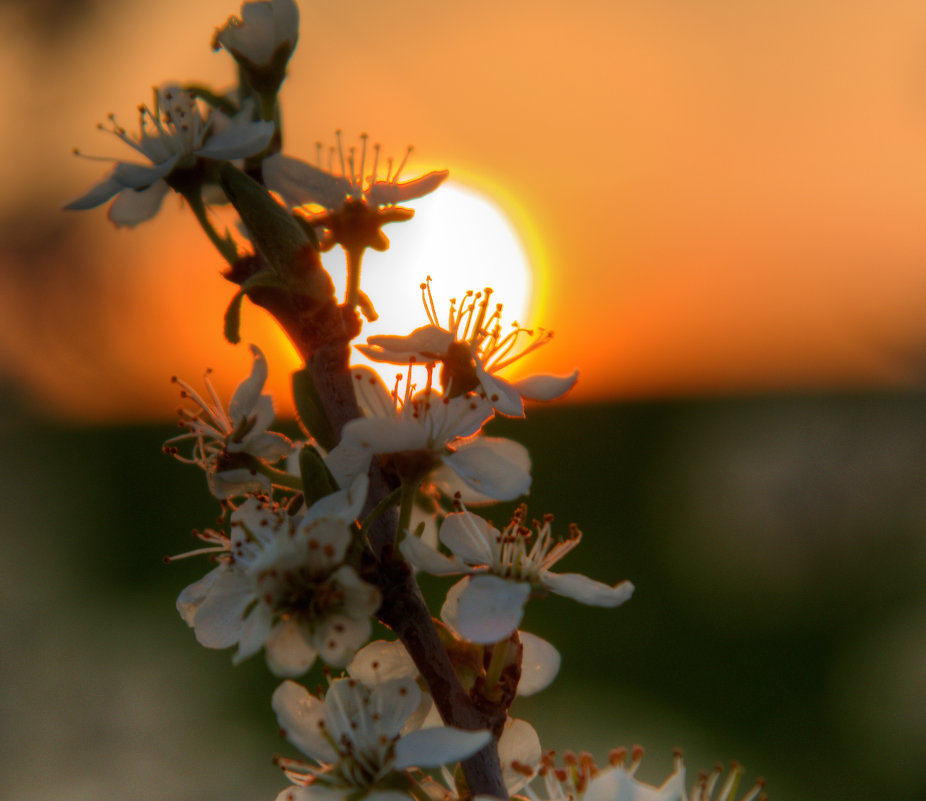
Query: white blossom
x=222 y=440
x=472 y=349
x=579 y=779
x=504 y=567
x=172 y=136
x=263 y=30
x=283 y=585
x=344 y=178
x=438 y=435
x=360 y=742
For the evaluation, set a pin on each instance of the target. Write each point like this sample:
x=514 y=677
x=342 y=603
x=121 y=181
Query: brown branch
x=322 y=334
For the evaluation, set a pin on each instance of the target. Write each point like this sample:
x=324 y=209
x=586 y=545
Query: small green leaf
x=277 y=235
x=233 y=318
x=317 y=481
x=310 y=410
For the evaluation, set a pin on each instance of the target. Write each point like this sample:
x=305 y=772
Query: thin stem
x=280 y=478
x=224 y=245
x=354 y=260
x=409 y=490
x=380 y=509
x=496 y=665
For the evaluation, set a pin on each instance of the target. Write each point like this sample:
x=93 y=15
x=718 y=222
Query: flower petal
x=134 y=206
x=300 y=715
x=424 y=557
x=380 y=661
x=339 y=637
x=424 y=344
x=546 y=387
x=287 y=650
x=388 y=193
x=587 y=591
x=238 y=141
x=540 y=663
x=430 y=748
x=97 y=195
x=469 y=537
x=298 y=182
x=248 y=391
x=519 y=744
x=344 y=505
x=220 y=617
x=192 y=597
x=496 y=468
x=491 y=608
x=253 y=633
x=141 y=176
x=502 y=395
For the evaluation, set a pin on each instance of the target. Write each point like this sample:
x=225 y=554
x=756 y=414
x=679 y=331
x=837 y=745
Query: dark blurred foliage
x=771 y=541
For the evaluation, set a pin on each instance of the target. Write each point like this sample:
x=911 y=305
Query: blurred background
x=721 y=205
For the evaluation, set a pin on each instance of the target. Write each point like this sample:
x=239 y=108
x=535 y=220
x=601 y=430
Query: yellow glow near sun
x=463 y=241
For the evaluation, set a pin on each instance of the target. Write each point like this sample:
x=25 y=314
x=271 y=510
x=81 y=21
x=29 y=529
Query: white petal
x=220 y=617
x=540 y=663
x=491 y=608
x=372 y=395
x=424 y=344
x=238 y=141
x=97 y=195
x=385 y=436
x=288 y=652
x=141 y=176
x=134 y=206
x=339 y=637
x=496 y=468
x=387 y=193
x=192 y=597
x=469 y=537
x=254 y=633
x=423 y=557
x=587 y=591
x=347 y=462
x=450 y=609
x=381 y=661
x=546 y=387
x=394 y=702
x=248 y=391
x=252 y=35
x=266 y=445
x=299 y=715
x=519 y=743
x=616 y=784
x=429 y=748
x=298 y=182
x=459 y=417
x=361 y=599
x=241 y=481
x=344 y=505
x=502 y=395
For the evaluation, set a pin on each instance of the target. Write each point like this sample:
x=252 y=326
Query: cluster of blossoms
x=327 y=534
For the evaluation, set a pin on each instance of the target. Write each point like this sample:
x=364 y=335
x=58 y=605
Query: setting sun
x=463 y=241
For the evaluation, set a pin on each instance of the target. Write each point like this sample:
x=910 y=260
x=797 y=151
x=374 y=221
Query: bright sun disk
x=463 y=241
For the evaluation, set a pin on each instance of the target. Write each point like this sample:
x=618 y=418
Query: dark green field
x=777 y=546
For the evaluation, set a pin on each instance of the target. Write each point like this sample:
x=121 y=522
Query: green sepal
x=221 y=102
x=317 y=481
x=277 y=235
x=233 y=312
x=233 y=318
x=310 y=410
x=308 y=229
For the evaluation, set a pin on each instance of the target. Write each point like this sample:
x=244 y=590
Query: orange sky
x=726 y=196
